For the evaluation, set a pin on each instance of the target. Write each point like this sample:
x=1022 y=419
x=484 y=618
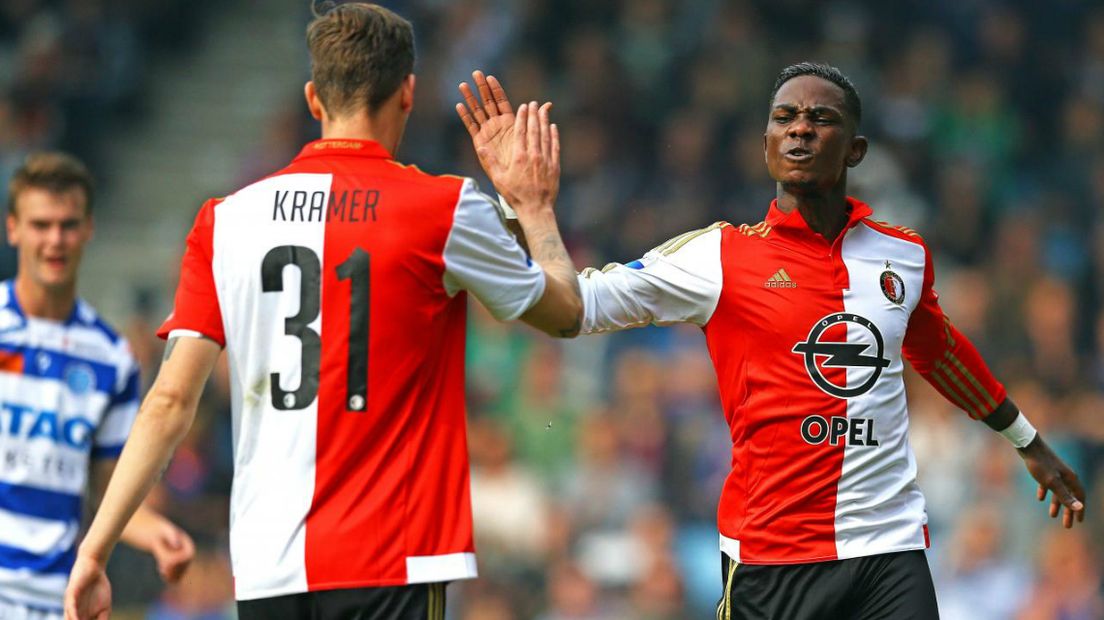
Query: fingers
x=545 y=132
x=473 y=103
x=1041 y=493
x=521 y=122
x=555 y=146
x=489 y=105
x=499 y=94
x=534 y=130
x=466 y=118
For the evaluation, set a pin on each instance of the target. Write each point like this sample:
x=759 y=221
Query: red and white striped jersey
x=808 y=338
x=337 y=287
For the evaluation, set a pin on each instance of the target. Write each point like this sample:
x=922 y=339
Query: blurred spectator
x=1068 y=583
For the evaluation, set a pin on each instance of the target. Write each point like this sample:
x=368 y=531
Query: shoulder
x=99 y=337
x=903 y=233
x=692 y=241
x=411 y=173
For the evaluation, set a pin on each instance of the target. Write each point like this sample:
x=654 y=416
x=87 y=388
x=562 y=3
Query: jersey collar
x=794 y=223
x=344 y=146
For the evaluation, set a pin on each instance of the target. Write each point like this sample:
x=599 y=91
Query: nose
x=55 y=235
x=801 y=127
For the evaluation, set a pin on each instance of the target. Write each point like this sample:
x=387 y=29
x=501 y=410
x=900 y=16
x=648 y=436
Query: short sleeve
x=677 y=282
x=196 y=306
x=115 y=425
x=483 y=258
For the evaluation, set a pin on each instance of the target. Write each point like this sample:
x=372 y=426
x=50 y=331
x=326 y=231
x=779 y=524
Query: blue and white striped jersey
x=68 y=394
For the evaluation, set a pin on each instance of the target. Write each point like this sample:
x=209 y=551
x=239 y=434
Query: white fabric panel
x=730 y=547
x=677 y=286
x=31 y=597
x=482 y=257
x=40 y=463
x=879 y=507
x=273 y=461
x=435 y=568
x=39 y=536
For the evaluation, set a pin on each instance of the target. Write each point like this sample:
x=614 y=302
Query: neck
x=55 y=304
x=383 y=127
x=826 y=212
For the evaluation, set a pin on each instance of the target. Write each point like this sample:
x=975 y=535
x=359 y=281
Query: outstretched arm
x=164 y=419
x=678 y=281
x=521 y=154
x=951 y=363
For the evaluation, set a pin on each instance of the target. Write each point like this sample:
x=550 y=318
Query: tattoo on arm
x=172 y=345
x=169 y=349
x=550 y=252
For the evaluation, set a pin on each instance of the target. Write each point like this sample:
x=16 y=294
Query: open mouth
x=799 y=153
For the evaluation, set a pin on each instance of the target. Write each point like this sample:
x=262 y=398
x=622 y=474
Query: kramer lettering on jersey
x=346 y=205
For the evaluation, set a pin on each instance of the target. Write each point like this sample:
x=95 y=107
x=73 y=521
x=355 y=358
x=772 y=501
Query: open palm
x=490 y=123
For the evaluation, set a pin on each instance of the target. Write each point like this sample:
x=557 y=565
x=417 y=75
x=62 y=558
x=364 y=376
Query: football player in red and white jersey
x=809 y=317
x=337 y=287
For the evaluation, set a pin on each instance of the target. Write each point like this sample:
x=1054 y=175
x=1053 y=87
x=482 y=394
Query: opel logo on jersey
x=843 y=354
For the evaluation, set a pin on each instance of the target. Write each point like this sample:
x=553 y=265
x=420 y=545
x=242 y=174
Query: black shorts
x=423 y=601
x=891 y=586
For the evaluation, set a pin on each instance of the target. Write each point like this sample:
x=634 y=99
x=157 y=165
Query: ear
x=314 y=103
x=858 y=151
x=406 y=99
x=765 y=159
x=13 y=236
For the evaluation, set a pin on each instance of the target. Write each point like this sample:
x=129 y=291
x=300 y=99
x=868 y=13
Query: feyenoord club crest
x=893 y=287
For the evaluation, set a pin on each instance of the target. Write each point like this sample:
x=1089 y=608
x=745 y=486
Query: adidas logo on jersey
x=780 y=279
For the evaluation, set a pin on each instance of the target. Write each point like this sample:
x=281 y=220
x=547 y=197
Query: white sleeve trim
x=482 y=257
x=678 y=282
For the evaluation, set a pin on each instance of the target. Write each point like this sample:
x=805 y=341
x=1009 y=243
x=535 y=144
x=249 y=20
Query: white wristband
x=507 y=210
x=1020 y=432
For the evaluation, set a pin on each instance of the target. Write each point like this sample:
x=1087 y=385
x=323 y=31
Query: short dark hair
x=824 y=72
x=54 y=172
x=360 y=54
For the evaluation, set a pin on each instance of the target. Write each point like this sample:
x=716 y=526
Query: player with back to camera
x=809 y=316
x=68 y=395
x=336 y=286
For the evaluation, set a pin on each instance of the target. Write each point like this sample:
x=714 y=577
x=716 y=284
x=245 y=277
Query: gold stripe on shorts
x=724 y=608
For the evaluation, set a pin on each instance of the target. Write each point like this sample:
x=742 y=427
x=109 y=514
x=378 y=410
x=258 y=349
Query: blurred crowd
x=597 y=463
x=72 y=71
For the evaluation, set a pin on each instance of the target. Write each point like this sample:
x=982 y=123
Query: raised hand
x=489 y=119
x=519 y=152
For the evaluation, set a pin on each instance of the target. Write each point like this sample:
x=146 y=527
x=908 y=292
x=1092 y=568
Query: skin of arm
x=148 y=530
x=521 y=155
x=163 y=420
x=1046 y=468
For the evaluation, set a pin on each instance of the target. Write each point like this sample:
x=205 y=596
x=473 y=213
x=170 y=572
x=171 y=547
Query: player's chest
x=51 y=388
x=862 y=292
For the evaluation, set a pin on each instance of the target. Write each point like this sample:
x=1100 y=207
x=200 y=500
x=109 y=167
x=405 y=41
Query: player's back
x=340 y=312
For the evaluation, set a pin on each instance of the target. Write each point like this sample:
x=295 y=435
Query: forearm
x=953 y=366
x=559 y=313
x=161 y=423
